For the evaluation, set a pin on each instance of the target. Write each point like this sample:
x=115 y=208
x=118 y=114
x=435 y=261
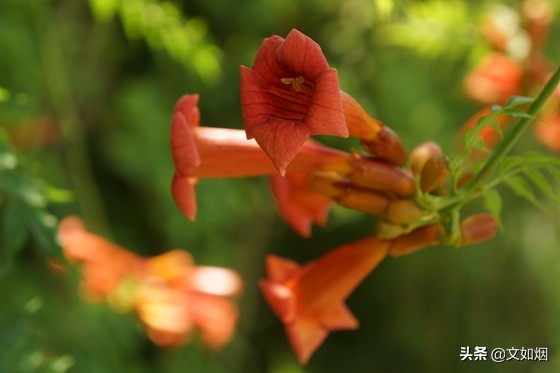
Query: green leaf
x=555 y=172
x=517 y=113
x=520 y=187
x=43 y=227
x=541 y=182
x=14 y=235
x=519 y=101
x=493 y=202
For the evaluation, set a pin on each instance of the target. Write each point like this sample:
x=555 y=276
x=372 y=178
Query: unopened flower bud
x=402 y=211
x=422 y=153
x=348 y=195
x=416 y=240
x=388 y=231
x=382 y=176
x=376 y=138
x=326 y=183
x=388 y=146
x=478 y=228
x=360 y=124
x=434 y=173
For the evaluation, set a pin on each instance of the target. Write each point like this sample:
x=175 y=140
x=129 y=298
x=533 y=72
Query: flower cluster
x=515 y=65
x=288 y=94
x=171 y=296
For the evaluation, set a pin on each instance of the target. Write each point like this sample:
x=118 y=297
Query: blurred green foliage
x=86 y=95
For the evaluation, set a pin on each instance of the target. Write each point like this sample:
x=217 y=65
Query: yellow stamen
x=298 y=84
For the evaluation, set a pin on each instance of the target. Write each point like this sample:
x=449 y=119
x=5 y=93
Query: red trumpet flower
x=219 y=152
x=289 y=94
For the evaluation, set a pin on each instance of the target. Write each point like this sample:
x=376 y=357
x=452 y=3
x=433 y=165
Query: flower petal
x=298 y=203
x=183 y=147
x=188 y=106
x=281 y=140
x=305 y=335
x=182 y=189
x=325 y=115
x=302 y=55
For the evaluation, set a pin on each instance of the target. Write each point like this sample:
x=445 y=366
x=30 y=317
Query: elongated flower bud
x=416 y=240
x=434 y=173
x=478 y=228
x=422 y=153
x=377 y=138
x=387 y=146
x=402 y=211
x=360 y=123
x=348 y=195
x=388 y=231
x=382 y=176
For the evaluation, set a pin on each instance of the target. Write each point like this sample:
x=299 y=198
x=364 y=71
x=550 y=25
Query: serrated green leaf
x=520 y=187
x=496 y=108
x=541 y=182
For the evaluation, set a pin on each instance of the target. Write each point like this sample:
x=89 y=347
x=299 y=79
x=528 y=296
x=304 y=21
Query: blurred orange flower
x=517 y=65
x=495 y=79
x=171 y=295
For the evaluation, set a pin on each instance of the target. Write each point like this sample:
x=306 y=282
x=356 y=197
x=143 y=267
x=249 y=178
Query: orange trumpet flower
x=220 y=152
x=289 y=94
x=310 y=299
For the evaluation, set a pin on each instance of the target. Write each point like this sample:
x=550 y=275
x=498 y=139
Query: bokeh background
x=86 y=95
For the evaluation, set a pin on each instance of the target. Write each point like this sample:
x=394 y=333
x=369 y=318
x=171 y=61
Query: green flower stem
x=517 y=131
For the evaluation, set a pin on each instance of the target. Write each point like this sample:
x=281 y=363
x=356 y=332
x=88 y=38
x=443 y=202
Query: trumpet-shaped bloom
x=171 y=295
x=219 y=152
x=289 y=94
x=310 y=299
x=200 y=151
